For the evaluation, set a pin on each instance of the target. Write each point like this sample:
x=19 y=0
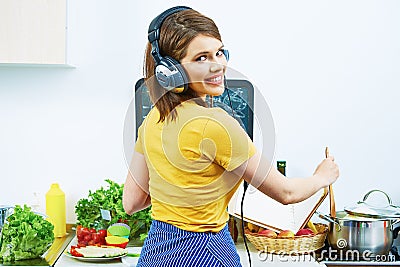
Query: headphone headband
x=154 y=28
x=168 y=72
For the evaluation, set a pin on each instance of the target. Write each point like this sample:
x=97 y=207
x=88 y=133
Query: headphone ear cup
x=226 y=54
x=181 y=80
x=171 y=75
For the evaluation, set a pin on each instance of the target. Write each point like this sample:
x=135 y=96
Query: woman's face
x=205 y=64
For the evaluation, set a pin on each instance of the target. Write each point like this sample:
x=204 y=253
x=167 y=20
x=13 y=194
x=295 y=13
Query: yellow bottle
x=55 y=209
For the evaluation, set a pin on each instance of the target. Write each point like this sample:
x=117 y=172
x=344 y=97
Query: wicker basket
x=290 y=245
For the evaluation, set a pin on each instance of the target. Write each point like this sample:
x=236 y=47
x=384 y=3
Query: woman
x=189 y=158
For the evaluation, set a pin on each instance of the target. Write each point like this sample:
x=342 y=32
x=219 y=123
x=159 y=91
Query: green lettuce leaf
x=25 y=235
x=109 y=198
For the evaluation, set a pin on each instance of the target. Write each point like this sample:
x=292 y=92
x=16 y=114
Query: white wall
x=328 y=70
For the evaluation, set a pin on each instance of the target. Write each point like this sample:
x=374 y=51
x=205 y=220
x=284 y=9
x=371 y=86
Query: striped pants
x=169 y=246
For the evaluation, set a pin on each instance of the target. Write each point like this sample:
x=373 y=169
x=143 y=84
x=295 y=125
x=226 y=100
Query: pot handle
x=396 y=232
x=329 y=219
x=364 y=201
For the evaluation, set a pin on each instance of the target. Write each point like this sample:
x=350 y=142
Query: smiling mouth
x=215 y=80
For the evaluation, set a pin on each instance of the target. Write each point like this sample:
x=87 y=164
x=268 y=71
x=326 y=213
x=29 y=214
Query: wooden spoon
x=331 y=197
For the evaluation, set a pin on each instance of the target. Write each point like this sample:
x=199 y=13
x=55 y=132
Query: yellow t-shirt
x=189 y=161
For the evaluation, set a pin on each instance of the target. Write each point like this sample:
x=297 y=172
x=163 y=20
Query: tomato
x=74 y=252
x=90 y=236
x=96 y=238
x=85 y=231
x=103 y=233
x=81 y=235
x=87 y=238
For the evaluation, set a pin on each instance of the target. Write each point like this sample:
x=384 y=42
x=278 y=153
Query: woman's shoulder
x=151 y=117
x=198 y=110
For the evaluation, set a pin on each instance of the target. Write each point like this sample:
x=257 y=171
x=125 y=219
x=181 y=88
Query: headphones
x=168 y=71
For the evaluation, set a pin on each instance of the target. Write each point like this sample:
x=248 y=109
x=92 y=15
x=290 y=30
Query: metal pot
x=369 y=236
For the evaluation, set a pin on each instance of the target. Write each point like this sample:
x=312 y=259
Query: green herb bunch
x=25 y=235
x=88 y=209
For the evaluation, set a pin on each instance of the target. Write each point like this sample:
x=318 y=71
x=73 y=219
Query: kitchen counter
x=257 y=259
x=56 y=257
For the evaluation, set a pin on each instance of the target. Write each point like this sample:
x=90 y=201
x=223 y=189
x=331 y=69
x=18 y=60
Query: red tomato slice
x=74 y=252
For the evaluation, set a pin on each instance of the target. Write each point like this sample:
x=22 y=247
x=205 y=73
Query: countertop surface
x=257 y=259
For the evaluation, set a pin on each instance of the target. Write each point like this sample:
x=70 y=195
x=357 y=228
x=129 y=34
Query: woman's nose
x=216 y=65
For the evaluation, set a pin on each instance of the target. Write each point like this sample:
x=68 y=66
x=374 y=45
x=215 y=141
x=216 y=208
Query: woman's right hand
x=328 y=171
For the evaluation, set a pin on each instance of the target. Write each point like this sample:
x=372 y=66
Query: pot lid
x=364 y=209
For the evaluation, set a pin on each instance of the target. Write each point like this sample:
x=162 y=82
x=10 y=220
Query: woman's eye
x=201 y=58
x=204 y=57
x=220 y=53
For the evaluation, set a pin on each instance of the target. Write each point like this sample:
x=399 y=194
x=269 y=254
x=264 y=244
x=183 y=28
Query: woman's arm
x=258 y=172
x=136 y=188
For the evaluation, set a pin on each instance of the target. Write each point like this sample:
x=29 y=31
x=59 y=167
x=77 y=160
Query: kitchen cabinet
x=32 y=32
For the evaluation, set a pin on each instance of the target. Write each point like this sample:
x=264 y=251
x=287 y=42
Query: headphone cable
x=245 y=184
x=242 y=217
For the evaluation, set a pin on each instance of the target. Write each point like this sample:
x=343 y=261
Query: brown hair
x=176 y=33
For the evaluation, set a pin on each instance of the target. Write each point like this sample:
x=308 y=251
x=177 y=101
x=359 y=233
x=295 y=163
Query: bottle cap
x=281 y=164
